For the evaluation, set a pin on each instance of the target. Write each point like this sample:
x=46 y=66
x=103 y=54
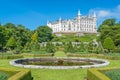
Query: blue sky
x=33 y=13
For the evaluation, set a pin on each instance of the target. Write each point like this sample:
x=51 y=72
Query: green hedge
x=109 y=57
x=83 y=55
x=18 y=74
x=94 y=55
x=36 y=55
x=10 y=56
x=94 y=74
x=42 y=55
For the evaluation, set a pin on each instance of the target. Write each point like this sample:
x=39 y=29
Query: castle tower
x=95 y=19
x=94 y=15
x=79 y=14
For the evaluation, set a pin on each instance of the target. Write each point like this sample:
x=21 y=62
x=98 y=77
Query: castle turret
x=79 y=14
x=94 y=21
x=60 y=19
x=94 y=15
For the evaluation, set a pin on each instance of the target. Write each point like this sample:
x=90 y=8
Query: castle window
x=69 y=27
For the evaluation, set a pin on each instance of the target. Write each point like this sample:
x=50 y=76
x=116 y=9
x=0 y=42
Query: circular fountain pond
x=59 y=63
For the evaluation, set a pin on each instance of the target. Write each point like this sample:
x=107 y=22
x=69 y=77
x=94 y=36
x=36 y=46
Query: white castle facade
x=78 y=25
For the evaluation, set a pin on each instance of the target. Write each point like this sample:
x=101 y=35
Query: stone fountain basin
x=96 y=63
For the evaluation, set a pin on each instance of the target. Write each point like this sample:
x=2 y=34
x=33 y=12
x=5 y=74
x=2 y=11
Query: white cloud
x=103 y=14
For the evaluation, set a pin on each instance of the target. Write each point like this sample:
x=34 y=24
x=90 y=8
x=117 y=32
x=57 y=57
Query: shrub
x=18 y=74
x=10 y=56
x=108 y=44
x=50 y=48
x=94 y=74
x=84 y=55
x=109 y=57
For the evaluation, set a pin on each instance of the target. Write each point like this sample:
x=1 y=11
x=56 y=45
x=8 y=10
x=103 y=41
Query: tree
x=108 y=44
x=11 y=44
x=34 y=37
x=2 y=37
x=34 y=42
x=23 y=35
x=44 y=34
x=109 y=28
x=109 y=22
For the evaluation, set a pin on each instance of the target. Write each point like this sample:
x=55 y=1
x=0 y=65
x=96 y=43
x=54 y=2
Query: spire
x=47 y=22
x=60 y=19
x=79 y=13
x=94 y=15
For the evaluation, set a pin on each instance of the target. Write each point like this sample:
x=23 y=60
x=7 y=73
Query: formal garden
x=26 y=47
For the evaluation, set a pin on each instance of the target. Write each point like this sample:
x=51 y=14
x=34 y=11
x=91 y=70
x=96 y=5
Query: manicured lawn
x=60 y=54
x=48 y=74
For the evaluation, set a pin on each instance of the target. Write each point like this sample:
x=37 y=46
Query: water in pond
x=57 y=62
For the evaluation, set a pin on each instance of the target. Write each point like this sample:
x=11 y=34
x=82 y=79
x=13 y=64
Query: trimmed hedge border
x=83 y=55
x=102 y=56
x=95 y=74
x=19 y=75
x=23 y=55
x=36 y=55
x=109 y=57
x=10 y=56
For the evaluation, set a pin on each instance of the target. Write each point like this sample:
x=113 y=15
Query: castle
x=79 y=25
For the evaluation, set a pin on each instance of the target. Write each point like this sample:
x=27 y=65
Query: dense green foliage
x=11 y=43
x=108 y=44
x=113 y=74
x=11 y=36
x=109 y=28
x=19 y=38
x=44 y=34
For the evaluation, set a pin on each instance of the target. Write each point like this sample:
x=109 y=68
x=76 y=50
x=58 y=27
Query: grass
x=73 y=38
x=49 y=74
x=38 y=52
x=60 y=54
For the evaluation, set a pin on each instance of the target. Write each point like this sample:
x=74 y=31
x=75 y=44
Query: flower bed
x=113 y=74
x=3 y=76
